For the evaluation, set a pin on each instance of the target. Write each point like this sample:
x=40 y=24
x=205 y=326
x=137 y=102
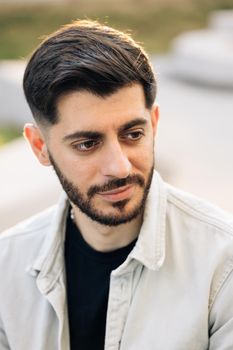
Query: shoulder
x=20 y=247
x=198 y=212
x=29 y=227
x=201 y=234
x=24 y=240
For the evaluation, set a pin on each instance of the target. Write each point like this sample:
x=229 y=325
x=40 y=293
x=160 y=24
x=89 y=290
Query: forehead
x=86 y=110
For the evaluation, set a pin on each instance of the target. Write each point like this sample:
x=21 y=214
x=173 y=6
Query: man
x=124 y=261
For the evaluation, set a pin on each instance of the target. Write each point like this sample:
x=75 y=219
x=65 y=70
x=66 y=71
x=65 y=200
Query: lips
x=118 y=194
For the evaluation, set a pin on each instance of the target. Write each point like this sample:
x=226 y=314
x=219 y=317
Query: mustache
x=115 y=183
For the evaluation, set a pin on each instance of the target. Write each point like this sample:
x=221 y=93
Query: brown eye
x=134 y=135
x=85 y=146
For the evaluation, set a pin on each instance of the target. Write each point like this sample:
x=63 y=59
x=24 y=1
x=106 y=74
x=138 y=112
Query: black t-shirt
x=88 y=276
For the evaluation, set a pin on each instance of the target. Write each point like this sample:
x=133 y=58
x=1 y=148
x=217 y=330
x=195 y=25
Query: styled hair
x=84 y=55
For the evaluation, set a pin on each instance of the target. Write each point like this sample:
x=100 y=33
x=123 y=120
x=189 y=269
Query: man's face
x=102 y=152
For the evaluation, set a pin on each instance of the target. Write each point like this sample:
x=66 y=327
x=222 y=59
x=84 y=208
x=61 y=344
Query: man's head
x=91 y=90
x=84 y=56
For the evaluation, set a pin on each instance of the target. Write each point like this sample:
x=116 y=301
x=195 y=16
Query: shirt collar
x=50 y=260
x=150 y=247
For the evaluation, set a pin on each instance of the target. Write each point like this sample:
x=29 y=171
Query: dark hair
x=84 y=55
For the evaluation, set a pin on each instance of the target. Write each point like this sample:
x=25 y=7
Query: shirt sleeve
x=3 y=339
x=221 y=318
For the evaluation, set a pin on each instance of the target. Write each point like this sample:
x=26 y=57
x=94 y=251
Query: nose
x=115 y=162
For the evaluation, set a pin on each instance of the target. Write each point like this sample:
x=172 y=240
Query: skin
x=114 y=150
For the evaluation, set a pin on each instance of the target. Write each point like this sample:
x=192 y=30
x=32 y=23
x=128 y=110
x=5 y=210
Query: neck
x=106 y=238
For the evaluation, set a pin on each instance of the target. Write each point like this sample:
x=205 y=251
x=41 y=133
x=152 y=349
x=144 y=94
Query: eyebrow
x=132 y=123
x=83 y=134
x=98 y=135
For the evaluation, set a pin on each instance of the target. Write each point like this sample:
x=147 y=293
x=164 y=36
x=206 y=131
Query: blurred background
x=190 y=43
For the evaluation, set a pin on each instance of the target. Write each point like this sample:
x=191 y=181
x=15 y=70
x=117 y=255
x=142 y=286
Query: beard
x=85 y=202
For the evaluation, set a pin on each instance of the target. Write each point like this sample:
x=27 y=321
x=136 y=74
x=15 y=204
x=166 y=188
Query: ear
x=36 y=140
x=155 y=112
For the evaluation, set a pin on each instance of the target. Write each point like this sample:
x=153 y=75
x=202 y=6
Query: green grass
x=155 y=23
x=8 y=134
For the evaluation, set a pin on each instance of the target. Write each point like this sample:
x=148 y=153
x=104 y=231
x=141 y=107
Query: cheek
x=82 y=173
x=142 y=164
x=143 y=158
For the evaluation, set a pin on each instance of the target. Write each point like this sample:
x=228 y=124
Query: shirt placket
x=118 y=307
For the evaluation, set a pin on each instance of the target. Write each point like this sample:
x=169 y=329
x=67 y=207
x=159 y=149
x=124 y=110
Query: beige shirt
x=173 y=292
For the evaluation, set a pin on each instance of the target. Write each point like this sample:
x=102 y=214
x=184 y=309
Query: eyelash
x=139 y=134
x=78 y=146
x=94 y=143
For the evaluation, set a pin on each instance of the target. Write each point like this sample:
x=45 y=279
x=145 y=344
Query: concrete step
x=206 y=56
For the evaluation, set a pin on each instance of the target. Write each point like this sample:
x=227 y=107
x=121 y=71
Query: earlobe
x=36 y=140
x=155 y=112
